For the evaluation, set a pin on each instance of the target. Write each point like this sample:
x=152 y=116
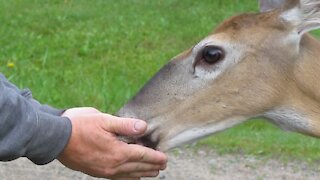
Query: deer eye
x=212 y=54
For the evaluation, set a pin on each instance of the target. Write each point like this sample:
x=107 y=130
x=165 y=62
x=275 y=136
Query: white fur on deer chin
x=288 y=119
x=196 y=133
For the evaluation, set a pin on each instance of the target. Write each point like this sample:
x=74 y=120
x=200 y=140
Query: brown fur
x=276 y=70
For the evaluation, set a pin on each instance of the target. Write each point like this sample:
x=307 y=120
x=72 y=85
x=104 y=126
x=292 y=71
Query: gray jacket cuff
x=28 y=95
x=52 y=110
x=51 y=137
x=44 y=108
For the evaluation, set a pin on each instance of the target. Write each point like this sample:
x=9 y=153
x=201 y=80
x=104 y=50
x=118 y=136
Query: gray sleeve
x=28 y=95
x=26 y=131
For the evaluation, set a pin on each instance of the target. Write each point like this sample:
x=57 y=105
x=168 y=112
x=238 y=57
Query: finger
x=124 y=126
x=139 y=174
x=139 y=153
x=125 y=178
x=145 y=174
x=139 y=166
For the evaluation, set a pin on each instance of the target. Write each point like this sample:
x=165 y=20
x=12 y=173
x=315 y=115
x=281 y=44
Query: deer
x=253 y=65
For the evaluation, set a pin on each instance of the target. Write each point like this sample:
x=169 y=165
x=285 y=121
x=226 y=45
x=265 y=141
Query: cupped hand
x=94 y=149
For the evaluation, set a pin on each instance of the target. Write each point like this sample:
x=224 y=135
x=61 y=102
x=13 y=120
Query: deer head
x=252 y=65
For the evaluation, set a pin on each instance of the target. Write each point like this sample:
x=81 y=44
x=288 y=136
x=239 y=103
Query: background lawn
x=100 y=52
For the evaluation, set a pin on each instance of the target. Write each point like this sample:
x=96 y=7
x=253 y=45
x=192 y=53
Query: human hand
x=94 y=149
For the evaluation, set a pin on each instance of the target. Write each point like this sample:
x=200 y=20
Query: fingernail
x=139 y=126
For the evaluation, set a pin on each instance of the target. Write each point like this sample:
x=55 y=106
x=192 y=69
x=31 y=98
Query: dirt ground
x=183 y=165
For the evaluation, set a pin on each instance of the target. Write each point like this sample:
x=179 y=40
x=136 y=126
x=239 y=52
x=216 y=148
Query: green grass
x=99 y=53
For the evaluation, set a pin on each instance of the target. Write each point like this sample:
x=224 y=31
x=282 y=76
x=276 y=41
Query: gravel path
x=183 y=165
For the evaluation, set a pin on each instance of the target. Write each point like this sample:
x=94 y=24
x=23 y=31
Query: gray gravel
x=183 y=164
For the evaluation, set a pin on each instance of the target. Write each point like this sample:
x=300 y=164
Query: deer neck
x=300 y=108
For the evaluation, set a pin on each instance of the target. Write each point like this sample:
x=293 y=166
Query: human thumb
x=124 y=126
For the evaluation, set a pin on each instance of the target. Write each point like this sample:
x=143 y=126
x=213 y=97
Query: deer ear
x=304 y=16
x=269 y=5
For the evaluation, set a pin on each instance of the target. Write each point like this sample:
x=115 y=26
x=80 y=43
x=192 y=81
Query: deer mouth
x=145 y=140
